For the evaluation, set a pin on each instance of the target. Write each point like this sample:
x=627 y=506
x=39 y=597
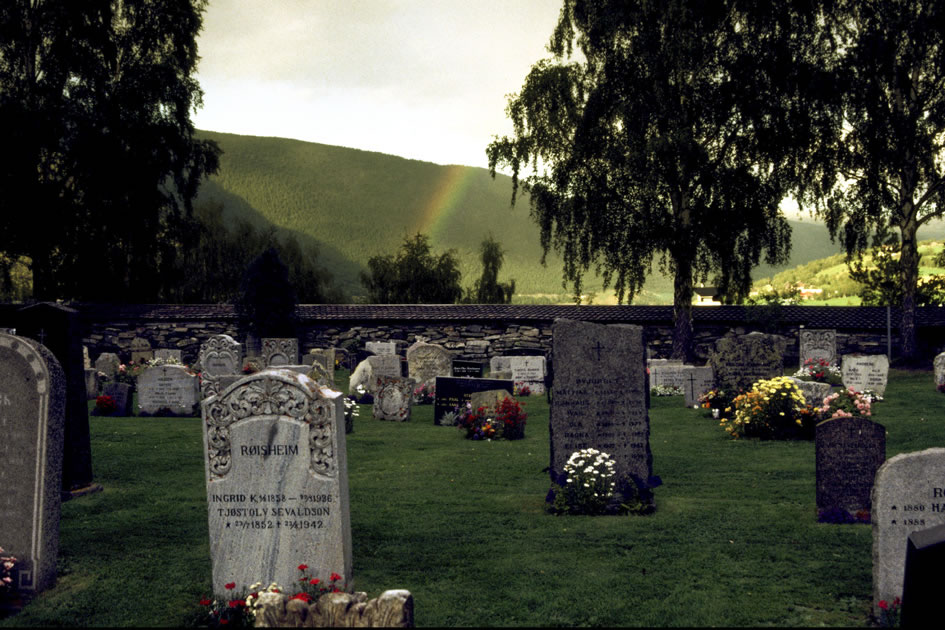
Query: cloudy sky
x=422 y=79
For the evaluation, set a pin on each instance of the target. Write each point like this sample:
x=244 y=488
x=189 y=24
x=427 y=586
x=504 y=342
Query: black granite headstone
x=451 y=392
x=467 y=369
x=922 y=586
x=121 y=394
x=849 y=451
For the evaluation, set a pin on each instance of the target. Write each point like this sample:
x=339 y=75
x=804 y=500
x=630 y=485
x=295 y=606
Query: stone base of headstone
x=393 y=609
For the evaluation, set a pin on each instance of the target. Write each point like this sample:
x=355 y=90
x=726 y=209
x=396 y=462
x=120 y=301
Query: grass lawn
x=461 y=524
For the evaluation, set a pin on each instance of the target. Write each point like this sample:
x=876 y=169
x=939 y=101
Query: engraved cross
x=598 y=347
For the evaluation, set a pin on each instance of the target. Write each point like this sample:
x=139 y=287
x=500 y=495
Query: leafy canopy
x=414 y=275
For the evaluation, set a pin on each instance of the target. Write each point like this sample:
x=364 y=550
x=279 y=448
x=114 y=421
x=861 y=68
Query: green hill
x=355 y=204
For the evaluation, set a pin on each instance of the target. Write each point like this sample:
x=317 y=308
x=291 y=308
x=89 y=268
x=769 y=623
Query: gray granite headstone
x=529 y=371
x=320 y=375
x=938 y=366
x=862 y=372
x=86 y=362
x=372 y=367
x=32 y=417
x=220 y=355
x=393 y=398
x=667 y=373
x=849 y=451
x=278 y=351
x=738 y=362
x=381 y=347
x=489 y=398
x=167 y=389
x=817 y=344
x=426 y=361
x=141 y=350
x=168 y=354
x=599 y=396
x=697 y=380
x=277 y=481
x=108 y=363
x=908 y=496
x=121 y=394
x=323 y=356
x=91 y=383
x=500 y=364
x=812 y=391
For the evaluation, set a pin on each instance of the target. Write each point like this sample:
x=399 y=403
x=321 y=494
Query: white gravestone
x=530 y=371
x=908 y=496
x=368 y=370
x=696 y=381
x=862 y=372
x=167 y=388
x=168 y=354
x=381 y=347
x=219 y=356
x=277 y=481
x=278 y=351
x=426 y=361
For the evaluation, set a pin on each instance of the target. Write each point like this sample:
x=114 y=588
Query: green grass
x=461 y=524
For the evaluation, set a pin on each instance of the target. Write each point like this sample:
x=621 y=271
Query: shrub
x=511 y=418
x=773 y=409
x=476 y=423
x=589 y=484
x=507 y=421
x=105 y=406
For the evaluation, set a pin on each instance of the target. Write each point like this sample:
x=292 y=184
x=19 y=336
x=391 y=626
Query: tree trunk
x=909 y=269
x=682 y=314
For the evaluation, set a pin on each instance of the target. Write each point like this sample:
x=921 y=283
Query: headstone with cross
x=698 y=380
x=599 y=396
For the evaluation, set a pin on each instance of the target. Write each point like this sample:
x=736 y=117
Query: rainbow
x=444 y=201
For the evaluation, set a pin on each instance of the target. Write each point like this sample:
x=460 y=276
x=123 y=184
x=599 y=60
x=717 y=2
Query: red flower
x=882 y=604
x=335 y=577
x=305 y=597
x=302 y=567
x=205 y=602
x=237 y=603
x=230 y=586
x=314 y=581
x=896 y=602
x=223 y=622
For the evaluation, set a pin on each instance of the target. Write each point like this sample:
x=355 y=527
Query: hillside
x=356 y=204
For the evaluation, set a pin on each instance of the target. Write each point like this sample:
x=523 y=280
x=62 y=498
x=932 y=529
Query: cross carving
x=598 y=347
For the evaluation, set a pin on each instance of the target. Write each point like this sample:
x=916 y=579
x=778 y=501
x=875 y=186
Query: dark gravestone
x=467 y=369
x=599 y=396
x=452 y=392
x=738 y=362
x=32 y=395
x=58 y=328
x=922 y=585
x=121 y=394
x=849 y=452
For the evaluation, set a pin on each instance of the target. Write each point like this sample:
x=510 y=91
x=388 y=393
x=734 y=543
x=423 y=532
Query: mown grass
x=461 y=524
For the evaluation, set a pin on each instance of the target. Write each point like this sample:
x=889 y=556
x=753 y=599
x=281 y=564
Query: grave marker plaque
x=599 y=400
x=908 y=496
x=278 y=351
x=454 y=392
x=467 y=369
x=32 y=403
x=862 y=372
x=167 y=389
x=277 y=481
x=849 y=451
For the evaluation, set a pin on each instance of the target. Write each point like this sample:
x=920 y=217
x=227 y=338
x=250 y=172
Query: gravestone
x=489 y=399
x=108 y=363
x=32 y=403
x=168 y=354
x=121 y=394
x=812 y=391
x=908 y=496
x=277 y=481
x=938 y=365
x=922 y=583
x=220 y=355
x=500 y=364
x=426 y=361
x=530 y=371
x=862 y=372
x=849 y=451
x=141 y=350
x=167 y=389
x=454 y=392
x=86 y=362
x=665 y=373
x=818 y=344
x=467 y=369
x=59 y=329
x=278 y=351
x=381 y=347
x=368 y=370
x=600 y=392
x=91 y=384
x=323 y=356
x=393 y=398
x=738 y=362
x=697 y=380
x=320 y=375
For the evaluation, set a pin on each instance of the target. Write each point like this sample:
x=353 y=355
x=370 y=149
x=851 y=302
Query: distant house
x=706 y=296
x=809 y=293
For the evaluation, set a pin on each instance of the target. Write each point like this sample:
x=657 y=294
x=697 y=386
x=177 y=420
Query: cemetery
x=212 y=480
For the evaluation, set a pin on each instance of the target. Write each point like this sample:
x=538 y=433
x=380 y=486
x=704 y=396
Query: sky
x=421 y=79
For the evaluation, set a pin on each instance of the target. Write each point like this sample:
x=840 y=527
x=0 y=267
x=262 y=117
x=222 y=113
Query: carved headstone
x=277 y=481
x=167 y=389
x=862 y=372
x=938 y=366
x=32 y=402
x=738 y=362
x=697 y=380
x=141 y=350
x=812 y=391
x=818 y=344
x=600 y=392
x=323 y=356
x=664 y=373
x=849 y=452
x=373 y=366
x=320 y=375
x=278 y=351
x=908 y=496
x=108 y=363
x=426 y=361
x=381 y=347
x=121 y=394
x=393 y=398
x=220 y=355
x=456 y=392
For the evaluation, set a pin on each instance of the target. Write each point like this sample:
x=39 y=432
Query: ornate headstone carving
x=220 y=355
x=278 y=351
x=818 y=344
